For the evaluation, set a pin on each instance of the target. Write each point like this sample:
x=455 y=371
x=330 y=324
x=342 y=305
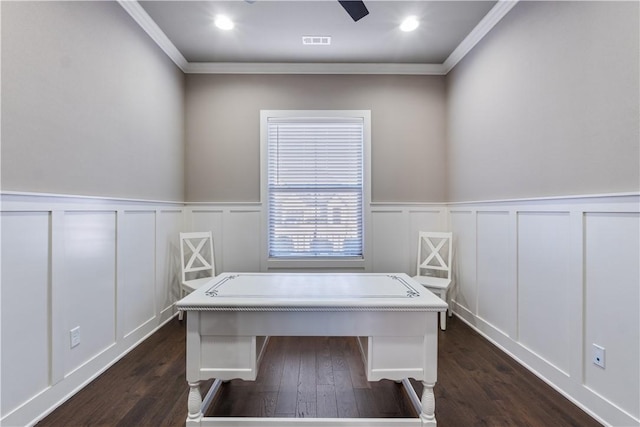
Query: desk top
x=311 y=292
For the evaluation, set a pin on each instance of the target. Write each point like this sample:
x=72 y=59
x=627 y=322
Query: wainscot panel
x=545 y=280
x=543 y=286
x=104 y=266
x=26 y=291
x=612 y=292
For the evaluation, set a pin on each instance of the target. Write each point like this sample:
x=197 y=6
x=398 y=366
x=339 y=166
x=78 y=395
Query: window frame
x=333 y=263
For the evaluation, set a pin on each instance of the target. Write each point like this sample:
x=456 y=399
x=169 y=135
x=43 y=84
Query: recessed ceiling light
x=409 y=24
x=223 y=22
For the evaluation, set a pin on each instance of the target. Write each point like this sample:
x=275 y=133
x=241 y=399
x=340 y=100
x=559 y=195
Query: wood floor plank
x=345 y=397
x=385 y=394
x=306 y=398
x=337 y=349
x=324 y=366
x=286 y=403
x=288 y=392
x=357 y=369
x=326 y=401
x=306 y=405
x=266 y=403
x=307 y=372
x=365 y=402
x=271 y=368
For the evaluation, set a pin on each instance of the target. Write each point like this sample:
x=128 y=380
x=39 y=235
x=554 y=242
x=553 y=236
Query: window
x=315 y=189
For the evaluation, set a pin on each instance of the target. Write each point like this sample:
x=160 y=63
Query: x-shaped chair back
x=434 y=252
x=196 y=253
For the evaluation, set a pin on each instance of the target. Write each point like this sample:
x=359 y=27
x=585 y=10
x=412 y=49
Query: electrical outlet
x=598 y=355
x=75 y=336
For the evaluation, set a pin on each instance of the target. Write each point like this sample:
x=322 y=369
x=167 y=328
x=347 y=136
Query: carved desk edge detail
x=411 y=291
x=307 y=309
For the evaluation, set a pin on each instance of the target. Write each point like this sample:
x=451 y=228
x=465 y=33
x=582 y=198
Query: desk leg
x=195 y=401
x=427 y=415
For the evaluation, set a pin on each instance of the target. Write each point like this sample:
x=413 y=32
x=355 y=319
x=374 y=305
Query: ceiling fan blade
x=356 y=9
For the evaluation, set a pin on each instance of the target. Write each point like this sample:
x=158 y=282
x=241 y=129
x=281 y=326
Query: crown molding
x=487 y=23
x=143 y=19
x=153 y=30
x=311 y=68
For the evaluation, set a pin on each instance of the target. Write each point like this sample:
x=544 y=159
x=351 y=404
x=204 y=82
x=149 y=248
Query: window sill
x=356 y=264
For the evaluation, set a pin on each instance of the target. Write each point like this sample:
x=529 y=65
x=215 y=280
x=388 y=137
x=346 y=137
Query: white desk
x=230 y=319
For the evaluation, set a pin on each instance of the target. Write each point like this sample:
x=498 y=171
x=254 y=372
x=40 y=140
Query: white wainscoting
x=107 y=266
x=394 y=234
x=545 y=280
x=236 y=231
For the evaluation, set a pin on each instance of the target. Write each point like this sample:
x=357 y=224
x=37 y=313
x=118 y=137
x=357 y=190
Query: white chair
x=434 y=266
x=198 y=262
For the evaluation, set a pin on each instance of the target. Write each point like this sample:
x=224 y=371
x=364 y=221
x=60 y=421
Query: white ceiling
x=268 y=34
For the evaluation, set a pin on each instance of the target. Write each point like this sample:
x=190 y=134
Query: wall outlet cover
x=75 y=336
x=598 y=355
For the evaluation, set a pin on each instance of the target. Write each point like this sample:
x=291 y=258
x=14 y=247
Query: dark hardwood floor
x=478 y=385
x=317 y=377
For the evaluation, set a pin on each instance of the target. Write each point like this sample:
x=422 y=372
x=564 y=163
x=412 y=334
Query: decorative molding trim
x=6 y=196
x=425 y=205
x=14 y=196
x=215 y=292
x=157 y=35
x=482 y=29
x=312 y=68
x=151 y=28
x=575 y=197
x=306 y=422
x=219 y=205
x=307 y=309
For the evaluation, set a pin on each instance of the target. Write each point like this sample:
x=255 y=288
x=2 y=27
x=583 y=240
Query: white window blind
x=315 y=187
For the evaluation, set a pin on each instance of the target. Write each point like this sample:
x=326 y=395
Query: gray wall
x=90 y=104
x=547 y=104
x=223 y=130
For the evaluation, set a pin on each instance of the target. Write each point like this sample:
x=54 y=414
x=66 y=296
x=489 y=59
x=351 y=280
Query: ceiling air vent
x=316 y=40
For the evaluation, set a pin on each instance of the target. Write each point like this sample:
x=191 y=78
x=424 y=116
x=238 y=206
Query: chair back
x=196 y=255
x=434 y=254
